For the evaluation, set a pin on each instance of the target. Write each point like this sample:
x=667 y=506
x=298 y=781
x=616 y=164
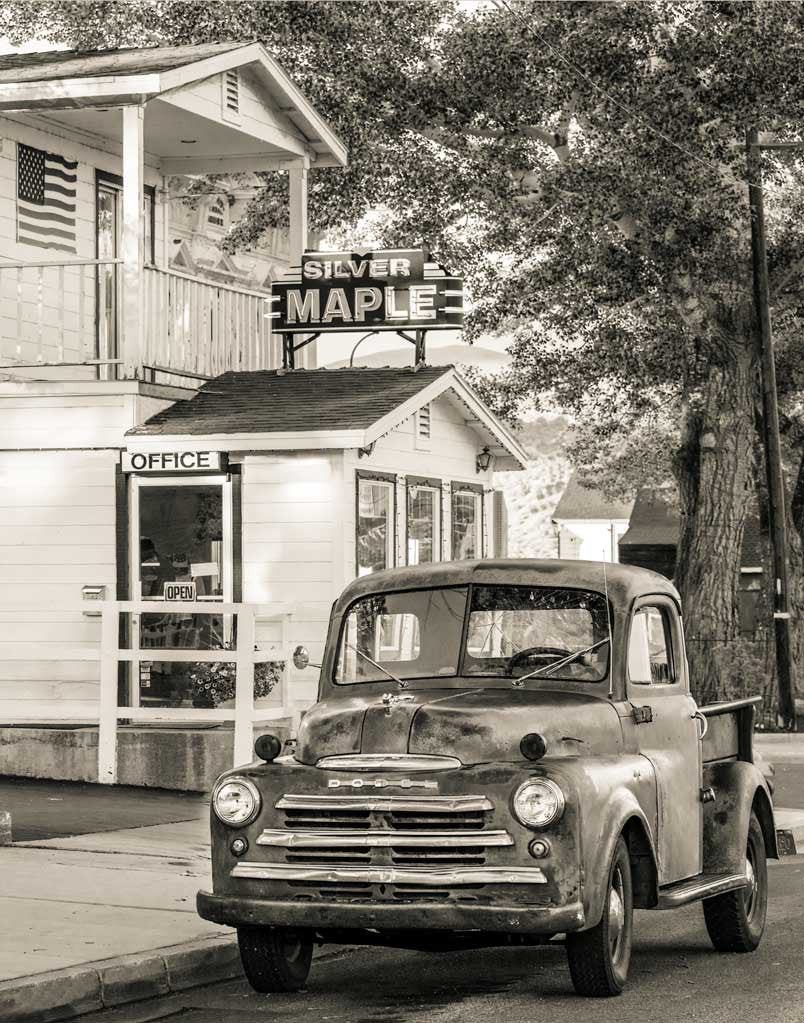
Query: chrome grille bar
x=347 y=839
x=424 y=876
x=444 y=804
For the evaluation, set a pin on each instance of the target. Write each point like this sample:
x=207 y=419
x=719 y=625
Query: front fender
x=616 y=796
x=739 y=788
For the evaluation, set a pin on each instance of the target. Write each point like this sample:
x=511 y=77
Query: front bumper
x=542 y=921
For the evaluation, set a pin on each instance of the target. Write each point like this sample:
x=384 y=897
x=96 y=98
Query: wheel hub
x=616 y=915
x=751 y=887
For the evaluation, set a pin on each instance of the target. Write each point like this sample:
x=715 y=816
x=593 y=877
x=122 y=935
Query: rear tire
x=275 y=958
x=736 y=920
x=599 y=958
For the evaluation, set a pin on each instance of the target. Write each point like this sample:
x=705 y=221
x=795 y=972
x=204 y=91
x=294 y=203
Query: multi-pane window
x=424 y=523
x=375 y=525
x=467 y=523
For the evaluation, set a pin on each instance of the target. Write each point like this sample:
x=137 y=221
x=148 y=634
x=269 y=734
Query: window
x=376 y=536
x=467 y=522
x=424 y=522
x=417 y=634
x=217 y=214
x=553 y=632
x=649 y=648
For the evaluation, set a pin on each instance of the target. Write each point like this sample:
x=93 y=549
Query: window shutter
x=500 y=523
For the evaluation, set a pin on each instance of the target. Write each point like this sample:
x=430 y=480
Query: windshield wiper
x=400 y=682
x=561 y=663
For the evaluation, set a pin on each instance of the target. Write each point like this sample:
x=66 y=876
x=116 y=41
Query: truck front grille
x=420 y=831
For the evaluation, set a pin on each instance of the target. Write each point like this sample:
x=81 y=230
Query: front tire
x=599 y=958
x=736 y=920
x=275 y=958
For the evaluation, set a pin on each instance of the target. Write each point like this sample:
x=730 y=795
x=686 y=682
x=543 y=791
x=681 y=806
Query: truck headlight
x=236 y=801
x=538 y=802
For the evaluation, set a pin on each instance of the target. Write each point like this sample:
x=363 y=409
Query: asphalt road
x=58 y=809
x=675 y=976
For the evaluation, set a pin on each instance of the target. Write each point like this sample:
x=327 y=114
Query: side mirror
x=301 y=659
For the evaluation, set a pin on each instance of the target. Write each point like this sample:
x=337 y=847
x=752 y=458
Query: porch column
x=132 y=250
x=298 y=237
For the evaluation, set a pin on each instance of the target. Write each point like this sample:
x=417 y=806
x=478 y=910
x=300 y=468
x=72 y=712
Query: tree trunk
x=713 y=469
x=796 y=572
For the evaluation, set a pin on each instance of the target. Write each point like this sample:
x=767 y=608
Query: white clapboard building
x=176 y=511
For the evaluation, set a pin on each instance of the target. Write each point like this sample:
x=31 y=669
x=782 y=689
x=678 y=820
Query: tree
x=583 y=164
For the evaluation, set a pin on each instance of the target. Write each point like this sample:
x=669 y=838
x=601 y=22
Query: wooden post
x=777 y=504
x=244 y=686
x=297 y=237
x=133 y=242
x=107 y=712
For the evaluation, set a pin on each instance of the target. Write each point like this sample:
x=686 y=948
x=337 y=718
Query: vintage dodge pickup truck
x=503 y=753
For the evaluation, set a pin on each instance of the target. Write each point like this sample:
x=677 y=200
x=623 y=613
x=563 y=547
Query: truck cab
x=502 y=753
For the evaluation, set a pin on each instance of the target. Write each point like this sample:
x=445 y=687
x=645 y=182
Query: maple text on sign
x=388 y=290
x=171 y=461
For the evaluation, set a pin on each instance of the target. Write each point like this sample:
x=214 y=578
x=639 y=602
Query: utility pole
x=777 y=513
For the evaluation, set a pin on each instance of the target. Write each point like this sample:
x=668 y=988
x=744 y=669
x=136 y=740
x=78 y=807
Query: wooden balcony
x=62 y=319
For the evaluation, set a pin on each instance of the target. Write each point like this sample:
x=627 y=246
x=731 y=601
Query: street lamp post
x=777 y=513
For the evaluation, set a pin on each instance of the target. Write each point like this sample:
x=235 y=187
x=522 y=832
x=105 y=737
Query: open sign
x=179 y=591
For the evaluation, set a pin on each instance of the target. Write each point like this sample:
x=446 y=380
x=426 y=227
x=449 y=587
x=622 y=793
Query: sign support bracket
x=289 y=349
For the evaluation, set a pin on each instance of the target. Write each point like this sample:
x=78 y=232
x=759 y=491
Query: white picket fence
x=108 y=712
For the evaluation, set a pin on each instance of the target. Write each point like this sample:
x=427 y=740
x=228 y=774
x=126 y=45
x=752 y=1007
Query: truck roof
x=625 y=582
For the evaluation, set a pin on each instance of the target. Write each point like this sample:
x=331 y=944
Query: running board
x=704 y=886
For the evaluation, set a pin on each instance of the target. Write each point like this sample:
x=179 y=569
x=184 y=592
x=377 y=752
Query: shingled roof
x=52 y=65
x=322 y=408
x=655 y=523
x=579 y=502
x=271 y=401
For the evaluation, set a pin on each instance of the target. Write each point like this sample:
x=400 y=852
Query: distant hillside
x=532 y=495
x=468 y=355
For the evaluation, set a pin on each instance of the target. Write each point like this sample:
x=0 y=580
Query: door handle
x=704 y=723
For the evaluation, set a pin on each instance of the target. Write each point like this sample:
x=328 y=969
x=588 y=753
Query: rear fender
x=739 y=788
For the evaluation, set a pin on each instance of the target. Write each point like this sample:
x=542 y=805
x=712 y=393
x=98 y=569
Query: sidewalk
x=100 y=919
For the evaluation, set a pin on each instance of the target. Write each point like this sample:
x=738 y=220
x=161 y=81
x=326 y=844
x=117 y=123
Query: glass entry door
x=181 y=533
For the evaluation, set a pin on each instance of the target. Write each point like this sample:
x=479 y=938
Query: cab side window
x=650 y=658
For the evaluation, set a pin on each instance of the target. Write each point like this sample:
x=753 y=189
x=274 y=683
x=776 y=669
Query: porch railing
x=67 y=313
x=107 y=711
x=48 y=313
x=194 y=326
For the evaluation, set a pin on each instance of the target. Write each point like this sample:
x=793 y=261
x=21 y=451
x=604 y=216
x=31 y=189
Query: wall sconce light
x=483 y=460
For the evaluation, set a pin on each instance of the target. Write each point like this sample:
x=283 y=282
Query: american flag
x=45 y=199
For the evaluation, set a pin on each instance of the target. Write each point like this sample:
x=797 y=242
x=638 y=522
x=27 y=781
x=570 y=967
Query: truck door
x=667 y=733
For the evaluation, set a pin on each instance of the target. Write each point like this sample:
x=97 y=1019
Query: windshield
x=512 y=632
x=412 y=635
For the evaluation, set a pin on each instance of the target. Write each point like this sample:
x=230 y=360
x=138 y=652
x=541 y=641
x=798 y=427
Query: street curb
x=77 y=990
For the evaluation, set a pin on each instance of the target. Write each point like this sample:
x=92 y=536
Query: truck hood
x=475 y=725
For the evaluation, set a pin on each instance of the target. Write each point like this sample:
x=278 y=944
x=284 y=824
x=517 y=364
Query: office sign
x=179 y=591
x=171 y=461
x=392 y=289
